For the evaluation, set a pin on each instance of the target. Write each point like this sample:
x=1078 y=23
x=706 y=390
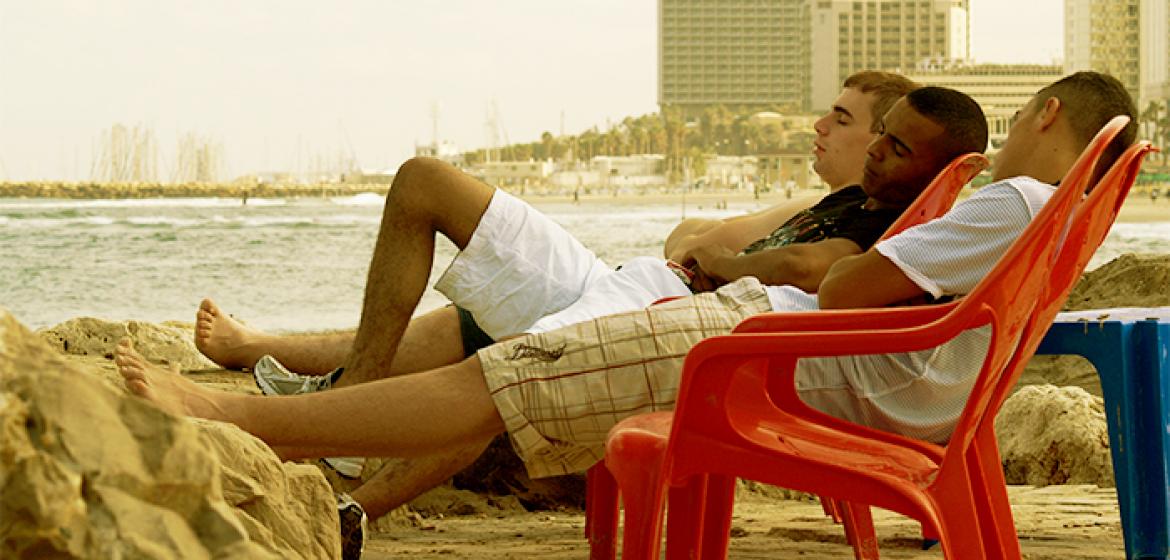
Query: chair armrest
x=784 y=349
x=851 y=319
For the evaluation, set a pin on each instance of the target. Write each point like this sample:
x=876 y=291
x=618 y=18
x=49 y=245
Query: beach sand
x=1054 y=523
x=1138 y=207
x=135 y=480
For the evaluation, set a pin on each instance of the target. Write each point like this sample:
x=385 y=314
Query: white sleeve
x=951 y=254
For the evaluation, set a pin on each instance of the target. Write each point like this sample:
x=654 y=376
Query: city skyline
x=278 y=85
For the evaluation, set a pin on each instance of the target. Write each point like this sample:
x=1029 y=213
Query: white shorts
x=520 y=266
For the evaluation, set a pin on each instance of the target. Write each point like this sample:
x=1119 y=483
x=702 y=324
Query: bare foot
x=165 y=388
x=224 y=340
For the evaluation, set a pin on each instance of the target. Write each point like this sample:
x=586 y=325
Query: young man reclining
x=557 y=393
x=517 y=266
x=845 y=223
x=637 y=372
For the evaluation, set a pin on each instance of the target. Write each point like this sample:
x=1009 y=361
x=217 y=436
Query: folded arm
x=865 y=280
x=732 y=233
x=803 y=265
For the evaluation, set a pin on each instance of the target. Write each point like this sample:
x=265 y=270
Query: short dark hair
x=964 y=125
x=1091 y=99
x=887 y=88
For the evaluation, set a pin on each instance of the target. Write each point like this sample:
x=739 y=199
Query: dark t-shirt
x=838 y=215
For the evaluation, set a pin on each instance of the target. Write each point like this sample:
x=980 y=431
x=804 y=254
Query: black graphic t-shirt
x=838 y=215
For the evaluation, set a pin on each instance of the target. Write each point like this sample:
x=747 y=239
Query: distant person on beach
x=1154 y=192
x=557 y=393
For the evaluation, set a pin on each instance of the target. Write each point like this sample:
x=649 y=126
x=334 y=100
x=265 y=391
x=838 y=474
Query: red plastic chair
x=1095 y=216
x=601 y=502
x=738 y=413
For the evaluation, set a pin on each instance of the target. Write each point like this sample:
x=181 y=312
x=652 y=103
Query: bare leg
x=427 y=196
x=234 y=345
x=402 y=480
x=406 y=416
x=430 y=341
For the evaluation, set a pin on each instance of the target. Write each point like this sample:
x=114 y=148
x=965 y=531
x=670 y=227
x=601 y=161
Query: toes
x=137 y=386
x=209 y=307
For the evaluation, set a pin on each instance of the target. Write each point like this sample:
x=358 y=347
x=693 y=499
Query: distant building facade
x=1000 y=89
x=751 y=53
x=514 y=173
x=848 y=36
x=1129 y=39
x=446 y=151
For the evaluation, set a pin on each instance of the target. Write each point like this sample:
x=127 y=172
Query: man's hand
x=681 y=251
x=715 y=264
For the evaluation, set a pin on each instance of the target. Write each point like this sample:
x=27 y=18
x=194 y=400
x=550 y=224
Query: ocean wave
x=362 y=199
x=208 y=202
x=1153 y=230
x=160 y=221
x=214 y=221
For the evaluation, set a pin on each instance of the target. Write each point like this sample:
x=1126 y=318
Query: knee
x=416 y=179
x=417 y=171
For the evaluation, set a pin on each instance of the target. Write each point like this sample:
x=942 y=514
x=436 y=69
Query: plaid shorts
x=559 y=392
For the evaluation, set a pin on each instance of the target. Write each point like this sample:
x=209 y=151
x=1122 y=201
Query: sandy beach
x=1054 y=523
x=1138 y=207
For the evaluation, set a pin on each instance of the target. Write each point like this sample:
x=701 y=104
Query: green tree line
x=718 y=130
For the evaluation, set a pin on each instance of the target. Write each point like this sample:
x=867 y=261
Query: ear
x=1048 y=113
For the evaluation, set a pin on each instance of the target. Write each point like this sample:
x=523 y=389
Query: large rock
x=1054 y=435
x=167 y=344
x=87 y=471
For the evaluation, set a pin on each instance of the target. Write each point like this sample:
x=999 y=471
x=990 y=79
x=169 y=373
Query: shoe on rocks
x=353 y=525
x=347 y=467
x=274 y=379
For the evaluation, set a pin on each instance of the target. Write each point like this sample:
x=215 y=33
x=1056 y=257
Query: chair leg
x=997 y=526
x=643 y=497
x=717 y=516
x=601 y=513
x=959 y=529
x=831 y=509
x=684 y=518
x=859 y=531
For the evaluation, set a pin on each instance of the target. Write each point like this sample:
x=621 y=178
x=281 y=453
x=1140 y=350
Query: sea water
x=281 y=264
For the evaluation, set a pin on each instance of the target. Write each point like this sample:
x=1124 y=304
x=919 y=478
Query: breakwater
x=186 y=190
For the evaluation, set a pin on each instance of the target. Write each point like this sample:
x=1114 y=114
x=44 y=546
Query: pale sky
x=278 y=83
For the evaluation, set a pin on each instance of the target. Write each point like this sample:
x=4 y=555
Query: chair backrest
x=1089 y=226
x=1008 y=295
x=940 y=194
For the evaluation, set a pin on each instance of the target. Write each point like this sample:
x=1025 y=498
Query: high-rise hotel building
x=897 y=35
x=794 y=54
x=752 y=53
x=1126 y=38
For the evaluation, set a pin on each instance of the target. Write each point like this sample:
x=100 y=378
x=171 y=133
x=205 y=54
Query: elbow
x=801 y=273
x=836 y=291
x=833 y=295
